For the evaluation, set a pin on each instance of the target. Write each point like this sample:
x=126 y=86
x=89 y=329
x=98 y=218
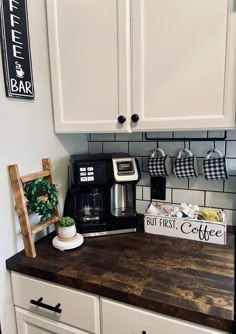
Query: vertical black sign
x=16 y=49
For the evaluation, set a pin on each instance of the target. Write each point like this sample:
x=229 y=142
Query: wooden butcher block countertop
x=186 y=279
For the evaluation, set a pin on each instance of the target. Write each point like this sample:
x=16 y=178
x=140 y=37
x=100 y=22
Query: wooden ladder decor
x=21 y=204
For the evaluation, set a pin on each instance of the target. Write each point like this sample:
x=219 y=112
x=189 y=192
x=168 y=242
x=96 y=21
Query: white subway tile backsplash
x=230 y=217
x=231 y=149
x=94 y=147
x=190 y=134
x=141 y=206
x=168 y=195
x=173 y=182
x=231 y=163
x=200 y=183
x=172 y=148
x=102 y=136
x=142 y=148
x=188 y=196
x=200 y=148
x=159 y=135
x=221 y=200
x=136 y=136
x=146 y=193
x=230 y=184
x=115 y=147
x=216 y=134
x=231 y=134
x=219 y=193
x=139 y=192
x=140 y=163
x=145 y=179
x=88 y=136
x=145 y=164
x=200 y=166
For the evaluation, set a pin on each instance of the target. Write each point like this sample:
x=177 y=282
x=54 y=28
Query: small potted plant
x=66 y=228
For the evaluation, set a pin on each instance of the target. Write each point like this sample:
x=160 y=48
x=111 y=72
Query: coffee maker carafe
x=90 y=204
x=102 y=193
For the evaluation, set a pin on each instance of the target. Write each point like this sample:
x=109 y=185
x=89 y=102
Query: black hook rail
x=187 y=139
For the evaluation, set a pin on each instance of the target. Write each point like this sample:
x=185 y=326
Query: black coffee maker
x=102 y=193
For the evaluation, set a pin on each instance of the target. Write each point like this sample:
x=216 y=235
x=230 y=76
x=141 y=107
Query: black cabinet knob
x=121 y=119
x=143 y=332
x=135 y=118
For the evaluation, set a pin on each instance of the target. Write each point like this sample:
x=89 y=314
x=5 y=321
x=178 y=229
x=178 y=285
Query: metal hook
x=157 y=142
x=214 y=143
x=184 y=143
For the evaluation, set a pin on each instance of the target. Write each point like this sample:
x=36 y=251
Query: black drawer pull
x=48 y=307
x=143 y=332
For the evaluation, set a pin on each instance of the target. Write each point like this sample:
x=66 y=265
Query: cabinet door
x=183 y=64
x=119 y=318
x=29 y=323
x=89 y=57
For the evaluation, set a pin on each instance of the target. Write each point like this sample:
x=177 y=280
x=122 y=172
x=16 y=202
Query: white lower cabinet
x=40 y=304
x=30 y=323
x=120 y=318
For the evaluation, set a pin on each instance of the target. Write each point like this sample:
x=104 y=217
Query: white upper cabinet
x=183 y=64
x=89 y=57
x=165 y=64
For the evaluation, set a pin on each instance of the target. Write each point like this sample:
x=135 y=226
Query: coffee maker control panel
x=86 y=174
x=125 y=169
x=94 y=172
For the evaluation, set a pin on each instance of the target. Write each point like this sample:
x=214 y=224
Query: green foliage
x=42 y=197
x=66 y=222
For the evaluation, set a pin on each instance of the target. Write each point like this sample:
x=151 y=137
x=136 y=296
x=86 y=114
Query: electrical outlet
x=158 y=188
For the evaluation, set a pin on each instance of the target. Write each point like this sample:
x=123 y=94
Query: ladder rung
x=31 y=177
x=42 y=225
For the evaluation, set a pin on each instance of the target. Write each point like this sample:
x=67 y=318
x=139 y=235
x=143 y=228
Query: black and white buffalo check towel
x=215 y=168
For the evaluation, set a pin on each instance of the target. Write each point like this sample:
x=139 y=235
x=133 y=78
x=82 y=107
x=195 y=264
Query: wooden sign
x=199 y=230
x=16 y=49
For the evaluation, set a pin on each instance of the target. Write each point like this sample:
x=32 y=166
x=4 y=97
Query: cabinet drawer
x=120 y=318
x=28 y=322
x=78 y=309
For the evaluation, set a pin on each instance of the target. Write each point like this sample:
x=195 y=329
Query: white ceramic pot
x=67 y=232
